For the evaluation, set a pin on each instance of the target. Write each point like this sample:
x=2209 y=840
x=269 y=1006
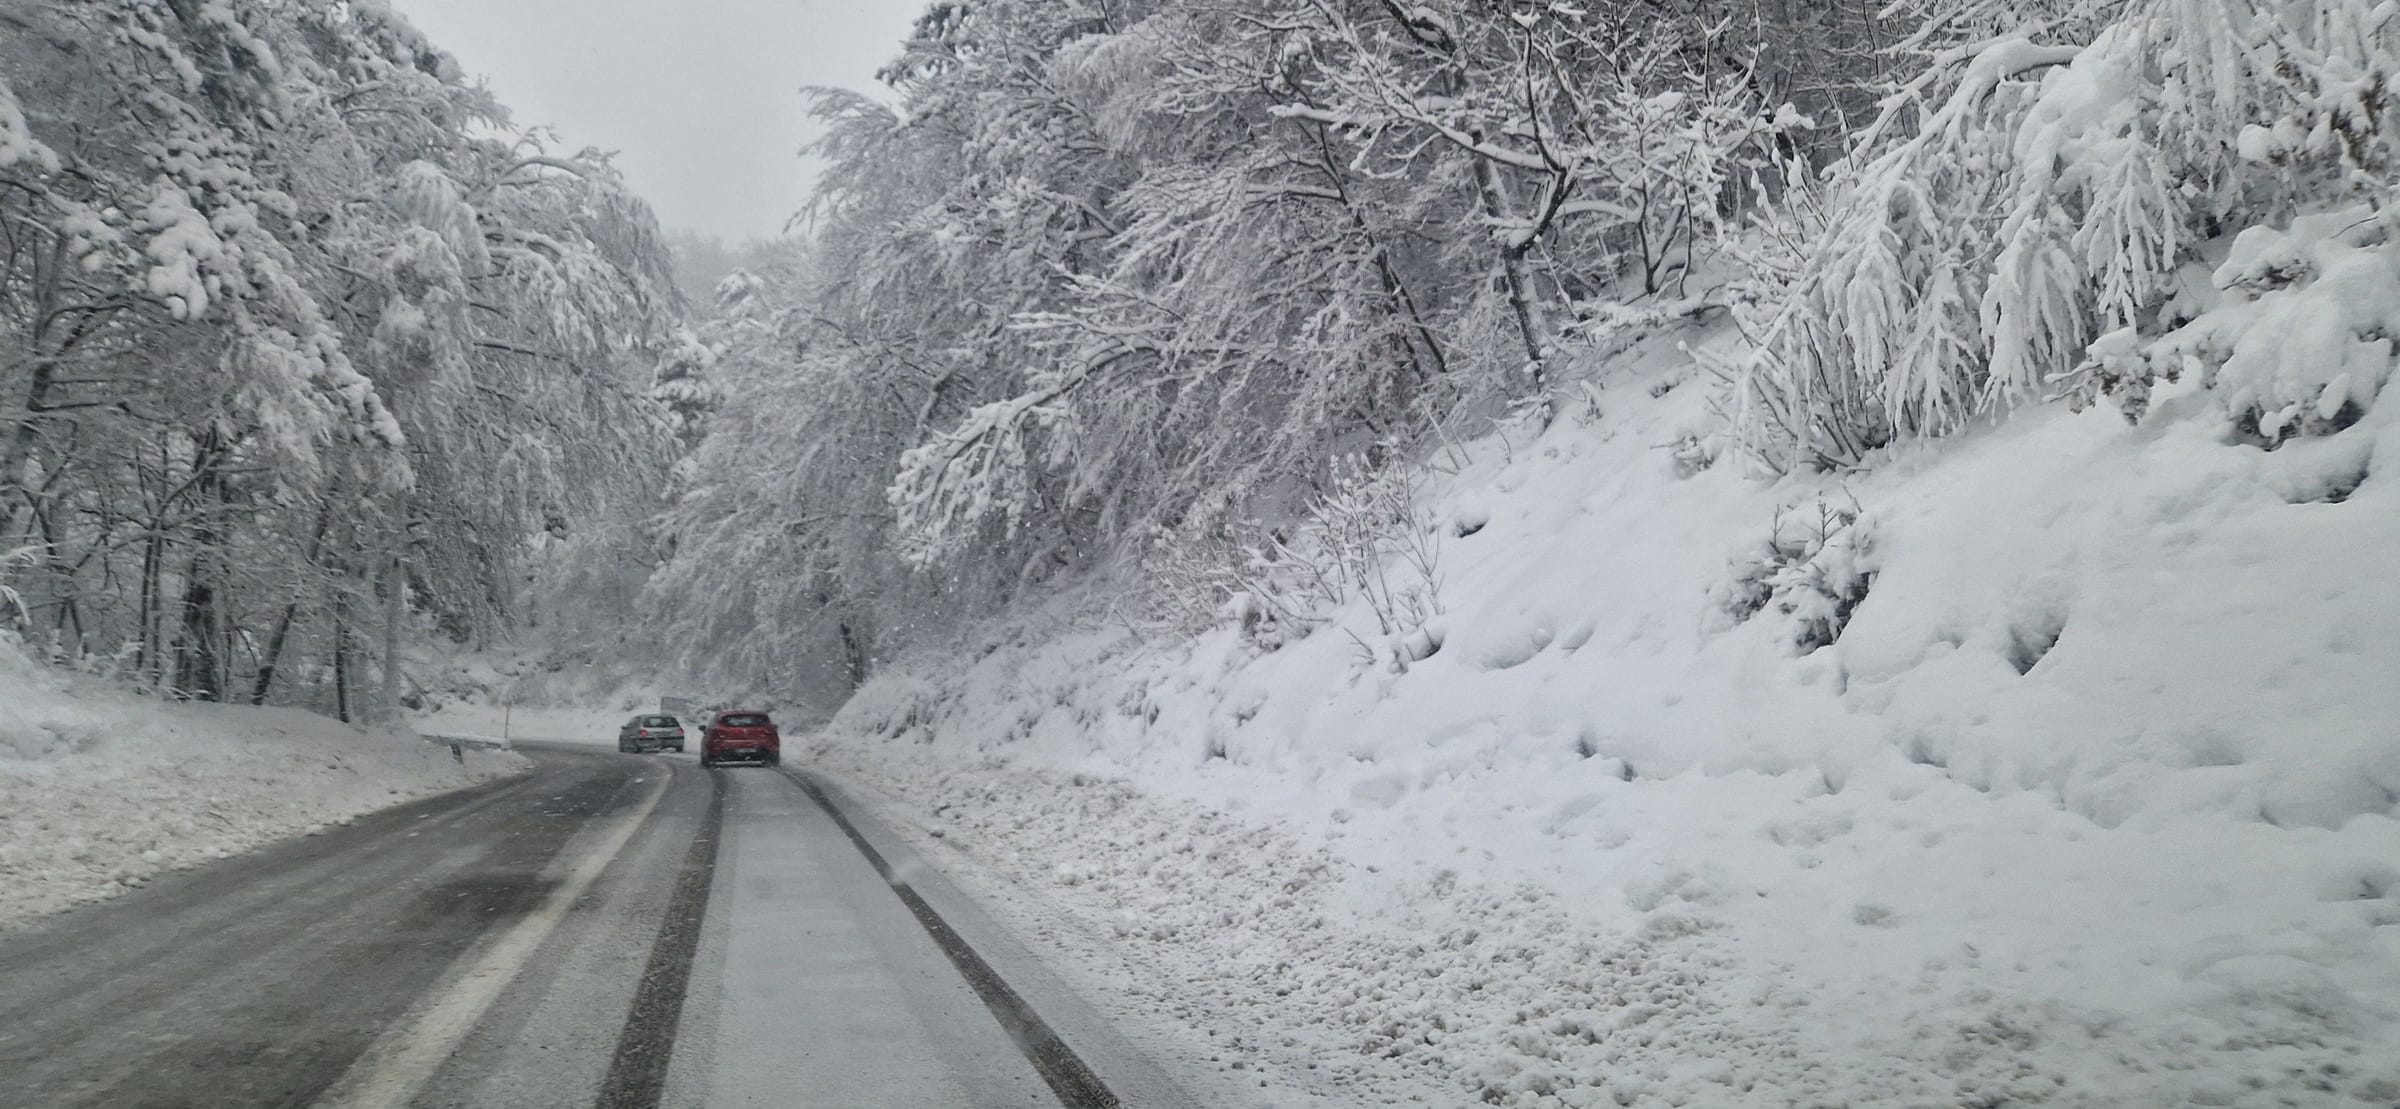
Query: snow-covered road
x=814 y=977
x=609 y=930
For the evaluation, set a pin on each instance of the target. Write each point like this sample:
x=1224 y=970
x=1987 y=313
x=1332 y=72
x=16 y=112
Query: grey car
x=651 y=732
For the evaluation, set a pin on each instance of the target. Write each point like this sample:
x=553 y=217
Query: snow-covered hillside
x=2094 y=801
x=100 y=791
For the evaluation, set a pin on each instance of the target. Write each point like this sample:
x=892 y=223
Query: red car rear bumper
x=729 y=753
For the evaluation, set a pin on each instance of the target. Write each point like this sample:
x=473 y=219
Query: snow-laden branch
x=1416 y=112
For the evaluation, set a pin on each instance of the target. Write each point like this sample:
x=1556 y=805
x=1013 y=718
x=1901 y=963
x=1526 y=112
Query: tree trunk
x=198 y=674
x=16 y=464
x=265 y=683
x=16 y=451
x=196 y=658
x=341 y=656
x=1531 y=326
x=395 y=586
x=146 y=659
x=855 y=662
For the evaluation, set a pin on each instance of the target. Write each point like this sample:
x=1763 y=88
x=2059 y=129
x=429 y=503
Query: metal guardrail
x=458 y=744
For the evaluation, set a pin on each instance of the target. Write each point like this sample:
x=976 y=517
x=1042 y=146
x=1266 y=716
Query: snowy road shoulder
x=1008 y=868
x=101 y=791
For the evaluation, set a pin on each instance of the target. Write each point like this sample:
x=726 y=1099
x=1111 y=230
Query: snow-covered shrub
x=2050 y=198
x=1814 y=568
x=1365 y=538
x=1194 y=583
x=1368 y=532
x=12 y=603
x=2299 y=341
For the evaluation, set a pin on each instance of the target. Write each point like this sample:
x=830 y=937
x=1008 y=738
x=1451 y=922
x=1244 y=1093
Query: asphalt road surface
x=617 y=931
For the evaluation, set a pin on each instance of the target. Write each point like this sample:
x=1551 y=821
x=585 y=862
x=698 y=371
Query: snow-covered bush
x=2047 y=196
x=2298 y=339
x=1814 y=569
x=1364 y=538
x=12 y=603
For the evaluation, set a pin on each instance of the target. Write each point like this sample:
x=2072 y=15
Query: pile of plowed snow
x=100 y=791
x=2093 y=800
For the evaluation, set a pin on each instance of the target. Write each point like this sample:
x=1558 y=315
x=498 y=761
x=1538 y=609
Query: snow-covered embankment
x=2095 y=799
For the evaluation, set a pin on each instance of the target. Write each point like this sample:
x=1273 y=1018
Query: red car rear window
x=742 y=720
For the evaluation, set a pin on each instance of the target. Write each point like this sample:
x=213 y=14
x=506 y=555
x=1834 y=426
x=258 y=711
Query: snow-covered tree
x=1091 y=276
x=276 y=288
x=2023 y=199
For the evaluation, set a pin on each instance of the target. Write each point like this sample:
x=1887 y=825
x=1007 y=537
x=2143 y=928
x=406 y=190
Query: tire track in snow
x=637 y=1073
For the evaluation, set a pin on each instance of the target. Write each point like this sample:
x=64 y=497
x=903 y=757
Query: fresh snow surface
x=2091 y=804
x=100 y=790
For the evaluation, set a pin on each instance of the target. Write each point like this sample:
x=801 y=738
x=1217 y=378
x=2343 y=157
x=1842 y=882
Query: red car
x=740 y=736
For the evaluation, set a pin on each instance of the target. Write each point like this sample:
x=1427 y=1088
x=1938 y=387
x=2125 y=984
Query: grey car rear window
x=658 y=721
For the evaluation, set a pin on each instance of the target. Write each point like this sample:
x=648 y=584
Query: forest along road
x=609 y=930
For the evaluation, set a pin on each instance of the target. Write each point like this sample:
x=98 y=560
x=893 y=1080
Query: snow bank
x=2094 y=801
x=100 y=791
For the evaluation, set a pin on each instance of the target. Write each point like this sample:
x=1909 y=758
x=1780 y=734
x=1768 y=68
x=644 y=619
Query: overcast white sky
x=699 y=97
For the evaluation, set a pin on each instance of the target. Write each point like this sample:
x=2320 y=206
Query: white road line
x=405 y=1056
